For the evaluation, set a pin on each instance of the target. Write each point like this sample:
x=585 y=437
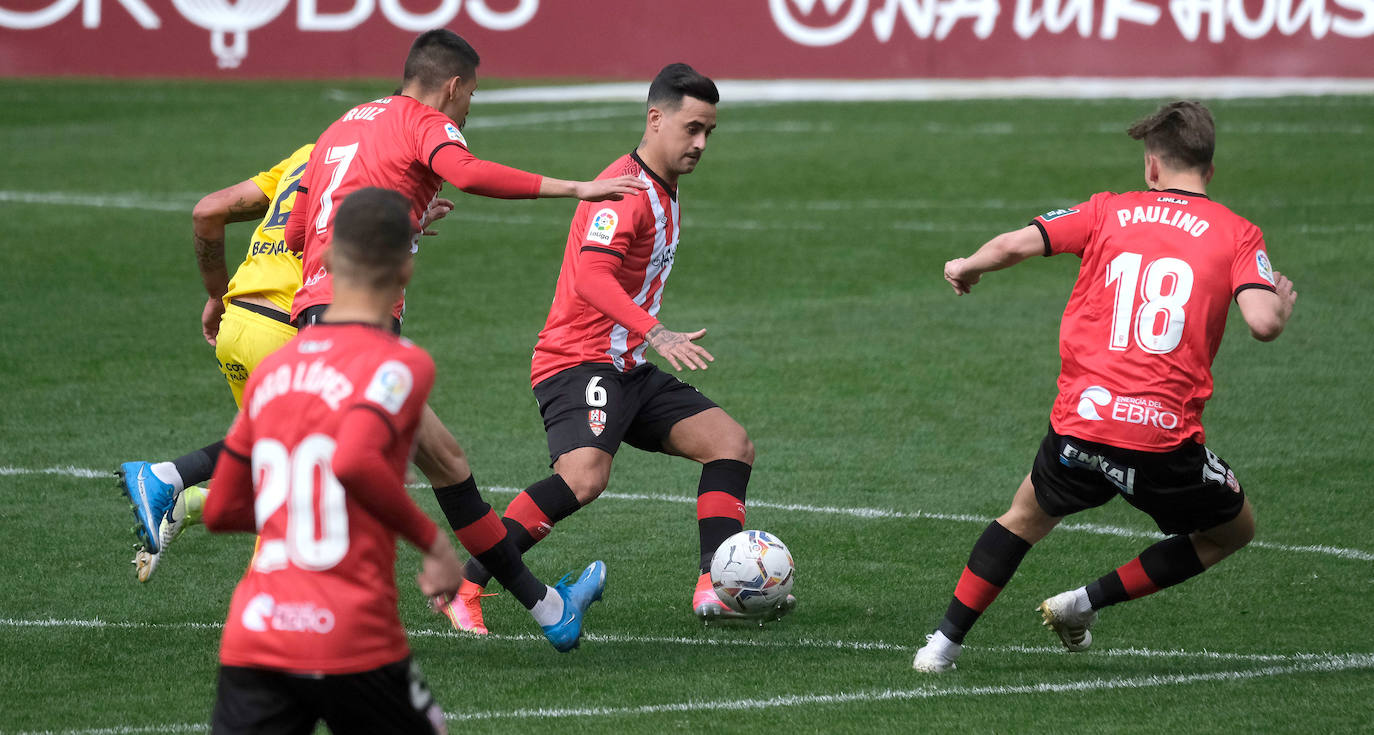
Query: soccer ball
x=752 y=572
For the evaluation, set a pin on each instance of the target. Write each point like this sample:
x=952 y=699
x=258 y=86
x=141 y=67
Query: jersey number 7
x=343 y=156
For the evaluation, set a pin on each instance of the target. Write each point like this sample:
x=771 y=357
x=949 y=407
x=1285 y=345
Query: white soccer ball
x=752 y=572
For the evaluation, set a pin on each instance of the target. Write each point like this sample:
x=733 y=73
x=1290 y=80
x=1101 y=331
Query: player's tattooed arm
x=242 y=201
x=679 y=348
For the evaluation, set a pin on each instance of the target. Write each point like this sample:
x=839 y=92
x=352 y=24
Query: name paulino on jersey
x=1126 y=409
x=318 y=378
x=1189 y=223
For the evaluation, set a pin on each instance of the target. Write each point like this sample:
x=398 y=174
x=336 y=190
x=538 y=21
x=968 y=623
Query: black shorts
x=596 y=405
x=314 y=315
x=1184 y=490
x=391 y=699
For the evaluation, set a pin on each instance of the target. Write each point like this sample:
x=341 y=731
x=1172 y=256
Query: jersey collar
x=1181 y=191
x=672 y=193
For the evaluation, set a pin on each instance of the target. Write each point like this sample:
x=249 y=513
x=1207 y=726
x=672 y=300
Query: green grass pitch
x=891 y=418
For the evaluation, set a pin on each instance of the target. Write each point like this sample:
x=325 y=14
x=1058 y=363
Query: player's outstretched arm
x=679 y=348
x=239 y=203
x=599 y=190
x=1000 y=252
x=1266 y=312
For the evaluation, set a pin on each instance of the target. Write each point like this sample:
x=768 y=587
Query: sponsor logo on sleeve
x=1266 y=271
x=602 y=228
x=390 y=386
x=1055 y=214
x=455 y=134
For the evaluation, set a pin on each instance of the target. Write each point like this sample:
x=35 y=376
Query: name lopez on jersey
x=1189 y=223
x=317 y=378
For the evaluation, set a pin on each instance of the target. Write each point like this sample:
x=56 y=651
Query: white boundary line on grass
x=800 y=643
x=886 y=90
x=857 y=512
x=1347 y=662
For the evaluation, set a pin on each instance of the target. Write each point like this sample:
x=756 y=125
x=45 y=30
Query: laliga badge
x=596 y=421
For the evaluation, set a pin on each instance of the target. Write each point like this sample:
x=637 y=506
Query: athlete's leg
x=726 y=454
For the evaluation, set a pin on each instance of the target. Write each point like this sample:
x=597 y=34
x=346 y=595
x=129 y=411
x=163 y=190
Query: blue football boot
x=566 y=634
x=151 y=499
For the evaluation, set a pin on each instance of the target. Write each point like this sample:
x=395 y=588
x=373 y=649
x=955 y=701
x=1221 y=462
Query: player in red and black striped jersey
x=595 y=388
x=1144 y=321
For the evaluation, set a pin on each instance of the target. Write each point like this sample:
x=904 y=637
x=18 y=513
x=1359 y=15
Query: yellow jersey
x=270 y=270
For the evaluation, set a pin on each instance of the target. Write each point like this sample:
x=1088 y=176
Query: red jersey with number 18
x=320 y=594
x=1147 y=312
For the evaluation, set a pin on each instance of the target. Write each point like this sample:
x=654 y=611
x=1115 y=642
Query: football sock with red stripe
x=485 y=537
x=198 y=466
x=528 y=519
x=1164 y=564
x=993 y=560
x=720 y=504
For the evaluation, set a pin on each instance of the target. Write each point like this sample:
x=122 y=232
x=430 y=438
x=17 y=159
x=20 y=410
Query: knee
x=734 y=444
x=585 y=482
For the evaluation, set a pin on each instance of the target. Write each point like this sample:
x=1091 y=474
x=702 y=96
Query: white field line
x=689 y=641
x=854 y=512
x=886 y=90
x=1332 y=664
x=1335 y=663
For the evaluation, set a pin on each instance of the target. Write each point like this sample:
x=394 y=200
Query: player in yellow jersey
x=245 y=319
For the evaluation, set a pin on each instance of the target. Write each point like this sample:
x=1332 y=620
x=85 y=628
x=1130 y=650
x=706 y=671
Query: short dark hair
x=437 y=56
x=372 y=235
x=1181 y=133
x=676 y=81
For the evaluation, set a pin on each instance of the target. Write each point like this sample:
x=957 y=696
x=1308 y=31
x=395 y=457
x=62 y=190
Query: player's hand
x=679 y=348
x=209 y=319
x=608 y=189
x=960 y=276
x=437 y=211
x=440 y=571
x=1287 y=296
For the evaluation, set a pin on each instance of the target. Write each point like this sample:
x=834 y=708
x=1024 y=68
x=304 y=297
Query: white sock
x=1081 y=604
x=167 y=472
x=548 y=611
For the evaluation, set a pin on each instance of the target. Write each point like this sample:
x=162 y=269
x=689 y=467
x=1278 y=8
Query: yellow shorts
x=245 y=337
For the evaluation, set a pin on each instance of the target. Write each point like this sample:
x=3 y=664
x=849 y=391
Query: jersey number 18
x=1152 y=334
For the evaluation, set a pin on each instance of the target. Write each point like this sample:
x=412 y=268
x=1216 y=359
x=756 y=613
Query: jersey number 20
x=288 y=478
x=1159 y=321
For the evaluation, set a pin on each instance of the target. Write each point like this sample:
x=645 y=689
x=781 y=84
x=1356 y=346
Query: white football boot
x=938 y=655
x=1070 y=616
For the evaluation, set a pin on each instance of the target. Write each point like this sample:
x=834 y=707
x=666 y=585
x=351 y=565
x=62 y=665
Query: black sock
x=482 y=534
x=991 y=564
x=1164 y=564
x=529 y=518
x=198 y=466
x=720 y=504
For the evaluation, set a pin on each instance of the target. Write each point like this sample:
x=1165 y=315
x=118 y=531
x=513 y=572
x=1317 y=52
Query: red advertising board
x=739 y=39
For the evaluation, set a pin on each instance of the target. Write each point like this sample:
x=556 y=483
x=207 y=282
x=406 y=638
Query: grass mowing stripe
x=1130 y=652
x=1333 y=664
x=868 y=513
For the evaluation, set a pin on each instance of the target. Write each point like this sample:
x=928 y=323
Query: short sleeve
x=267 y=180
x=612 y=226
x=433 y=131
x=1070 y=230
x=1251 y=267
x=399 y=387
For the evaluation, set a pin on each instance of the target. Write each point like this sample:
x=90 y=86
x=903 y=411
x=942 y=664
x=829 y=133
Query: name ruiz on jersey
x=317 y=378
x=1189 y=223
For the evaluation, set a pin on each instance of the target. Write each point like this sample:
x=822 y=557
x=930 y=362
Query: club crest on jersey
x=602 y=228
x=390 y=386
x=596 y=421
x=1266 y=271
x=1055 y=214
x=455 y=134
